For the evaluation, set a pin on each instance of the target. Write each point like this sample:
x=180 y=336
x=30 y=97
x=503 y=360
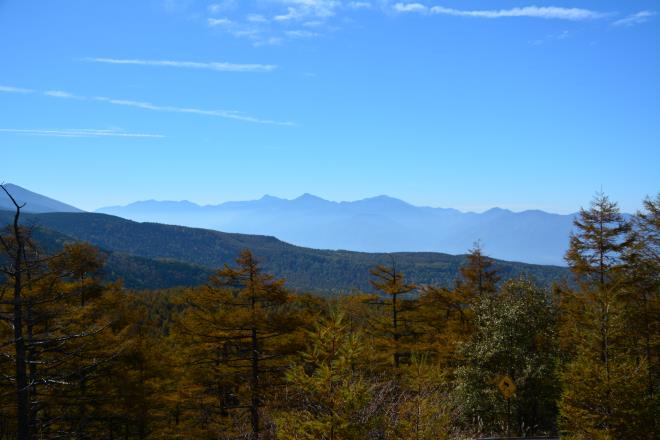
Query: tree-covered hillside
x=201 y=250
x=135 y=272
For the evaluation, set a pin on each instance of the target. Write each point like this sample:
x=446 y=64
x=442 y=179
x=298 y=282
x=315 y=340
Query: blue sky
x=464 y=104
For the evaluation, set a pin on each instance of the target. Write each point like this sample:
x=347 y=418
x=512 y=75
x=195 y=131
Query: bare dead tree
x=14 y=271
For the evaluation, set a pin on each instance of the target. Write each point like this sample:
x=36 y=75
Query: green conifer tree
x=601 y=382
x=329 y=398
x=391 y=282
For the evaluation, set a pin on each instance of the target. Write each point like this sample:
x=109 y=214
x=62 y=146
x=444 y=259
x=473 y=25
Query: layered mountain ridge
x=377 y=224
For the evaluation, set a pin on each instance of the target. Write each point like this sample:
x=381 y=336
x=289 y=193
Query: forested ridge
x=491 y=352
x=151 y=255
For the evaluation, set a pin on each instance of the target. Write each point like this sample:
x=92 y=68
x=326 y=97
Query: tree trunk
x=22 y=387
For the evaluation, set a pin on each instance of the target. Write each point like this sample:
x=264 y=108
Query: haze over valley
x=378 y=224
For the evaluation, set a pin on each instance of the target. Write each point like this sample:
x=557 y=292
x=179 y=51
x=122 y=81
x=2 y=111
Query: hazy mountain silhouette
x=34 y=202
x=377 y=224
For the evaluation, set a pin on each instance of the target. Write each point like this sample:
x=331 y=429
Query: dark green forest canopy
x=151 y=255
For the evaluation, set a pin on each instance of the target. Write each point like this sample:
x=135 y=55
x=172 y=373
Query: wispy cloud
x=220 y=22
x=411 y=7
x=300 y=34
x=266 y=22
x=545 y=12
x=304 y=9
x=634 y=19
x=228 y=114
x=261 y=40
x=256 y=18
x=61 y=94
x=222 y=6
x=271 y=22
x=254 y=27
x=9 y=89
x=51 y=93
x=79 y=133
x=217 y=66
x=360 y=5
x=292 y=14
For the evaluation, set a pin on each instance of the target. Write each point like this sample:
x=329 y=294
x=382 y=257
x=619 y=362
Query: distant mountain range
x=378 y=224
